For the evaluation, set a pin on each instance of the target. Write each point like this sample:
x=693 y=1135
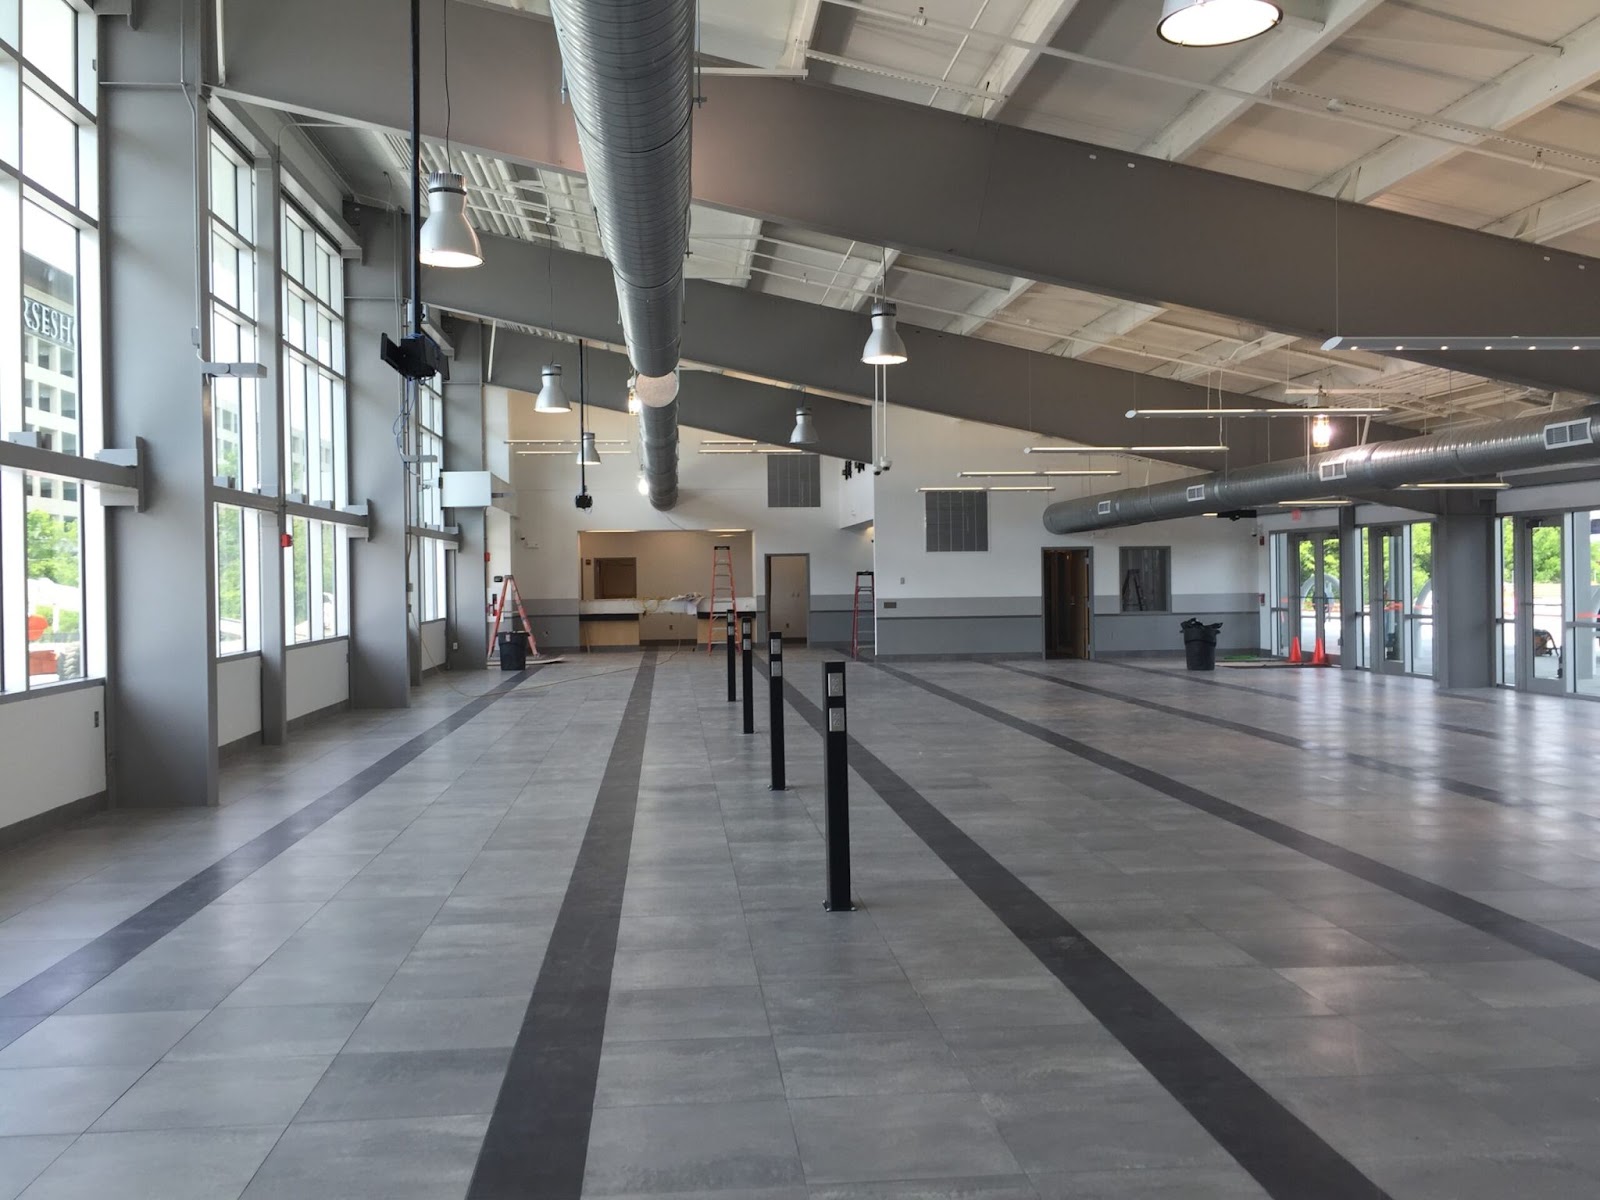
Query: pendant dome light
x=448 y=240
x=884 y=346
x=1321 y=431
x=552 y=396
x=588 y=456
x=805 y=429
x=1216 y=22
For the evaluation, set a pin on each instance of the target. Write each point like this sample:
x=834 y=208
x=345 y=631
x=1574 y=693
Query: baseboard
x=306 y=719
x=238 y=746
x=989 y=656
x=1176 y=652
x=50 y=820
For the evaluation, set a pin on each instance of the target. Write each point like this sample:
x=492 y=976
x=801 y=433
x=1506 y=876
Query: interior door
x=789 y=596
x=1068 y=603
x=1389 y=600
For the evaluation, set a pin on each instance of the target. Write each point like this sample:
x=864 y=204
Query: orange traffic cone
x=1319 y=654
x=1294 y=650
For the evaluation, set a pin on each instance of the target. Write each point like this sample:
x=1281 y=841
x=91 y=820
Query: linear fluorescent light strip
x=1035 y=474
x=1462 y=486
x=1390 y=344
x=1023 y=487
x=750 y=450
x=1124 y=449
x=570 y=442
x=573 y=449
x=1255 y=412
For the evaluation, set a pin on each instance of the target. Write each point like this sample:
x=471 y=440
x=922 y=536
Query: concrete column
x=467 y=631
x=162 y=616
x=1350 y=598
x=269 y=284
x=380 y=674
x=1465 y=576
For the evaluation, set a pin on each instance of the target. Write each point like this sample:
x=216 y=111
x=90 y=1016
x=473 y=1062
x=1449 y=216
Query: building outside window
x=235 y=409
x=427 y=554
x=1146 y=573
x=51 y=549
x=314 y=425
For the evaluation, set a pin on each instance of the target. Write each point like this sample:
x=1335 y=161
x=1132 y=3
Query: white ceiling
x=1475 y=112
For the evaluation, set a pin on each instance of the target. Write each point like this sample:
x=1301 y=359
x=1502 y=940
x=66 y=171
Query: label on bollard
x=836 y=684
x=836 y=720
x=777 y=668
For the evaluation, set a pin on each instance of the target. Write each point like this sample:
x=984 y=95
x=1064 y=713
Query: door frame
x=1523 y=525
x=1317 y=539
x=1044 y=596
x=766 y=614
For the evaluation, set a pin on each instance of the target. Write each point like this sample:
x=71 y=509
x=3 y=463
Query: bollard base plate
x=827 y=907
x=777 y=789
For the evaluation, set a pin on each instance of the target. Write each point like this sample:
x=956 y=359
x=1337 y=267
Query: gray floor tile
x=865 y=1138
x=59 y=1099
x=463 y=1023
x=206 y=1094
x=868 y=1064
x=423 y=1083
x=982 y=1188
x=104 y=1040
x=797 y=1006
x=688 y=1147
x=672 y=1013
x=287 y=1031
x=990 y=1003
x=1142 y=1184
x=691 y=1071
x=1097 y=1128
x=1526 y=1177
x=23 y=1158
x=683 y=968
x=180 y=1164
x=1041 y=1058
x=416 y=1159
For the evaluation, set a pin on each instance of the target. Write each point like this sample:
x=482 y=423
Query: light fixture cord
x=583 y=420
x=445 y=43
x=416 y=166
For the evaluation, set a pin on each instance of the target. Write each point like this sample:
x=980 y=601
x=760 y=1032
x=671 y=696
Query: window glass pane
x=1145 y=578
x=49 y=147
x=49 y=327
x=330 y=580
x=49 y=40
x=300 y=581
x=55 y=583
x=231 y=580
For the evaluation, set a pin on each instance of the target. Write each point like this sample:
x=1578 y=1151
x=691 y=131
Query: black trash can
x=1200 y=644
x=514 y=651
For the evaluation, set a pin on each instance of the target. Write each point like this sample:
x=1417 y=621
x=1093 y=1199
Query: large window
x=955 y=520
x=235 y=408
x=51 y=548
x=427 y=554
x=314 y=426
x=1146 y=575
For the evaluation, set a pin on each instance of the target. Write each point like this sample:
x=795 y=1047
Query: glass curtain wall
x=427 y=554
x=51 y=541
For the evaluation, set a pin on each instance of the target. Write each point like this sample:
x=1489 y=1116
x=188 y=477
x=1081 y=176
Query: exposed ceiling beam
x=1230 y=354
x=1287 y=50
x=989 y=196
x=1041 y=21
x=802 y=27
x=1528 y=88
x=790 y=342
x=1569 y=211
x=987 y=306
x=1107 y=327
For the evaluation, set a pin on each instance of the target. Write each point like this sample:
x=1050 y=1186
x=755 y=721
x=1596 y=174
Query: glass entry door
x=1314 y=565
x=1391 y=596
x=1539 y=572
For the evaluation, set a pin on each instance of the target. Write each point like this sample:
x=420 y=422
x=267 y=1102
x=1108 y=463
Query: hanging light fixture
x=448 y=240
x=884 y=346
x=805 y=429
x=1321 y=431
x=1216 y=22
x=643 y=485
x=552 y=396
x=588 y=456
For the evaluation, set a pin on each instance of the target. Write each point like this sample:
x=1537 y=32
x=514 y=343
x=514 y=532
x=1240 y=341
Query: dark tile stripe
x=1473 y=791
x=79 y=971
x=1282 y=1153
x=538 y=1136
x=1294 y=698
x=1546 y=943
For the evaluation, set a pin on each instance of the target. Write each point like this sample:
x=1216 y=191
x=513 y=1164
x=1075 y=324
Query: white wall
x=52 y=745
x=433 y=644
x=318 y=676
x=716 y=491
x=990 y=601
x=238 y=698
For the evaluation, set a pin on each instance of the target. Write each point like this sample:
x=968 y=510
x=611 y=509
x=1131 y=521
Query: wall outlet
x=97 y=718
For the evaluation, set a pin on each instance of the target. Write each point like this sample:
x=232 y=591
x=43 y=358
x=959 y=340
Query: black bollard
x=733 y=678
x=749 y=676
x=775 y=695
x=837 y=776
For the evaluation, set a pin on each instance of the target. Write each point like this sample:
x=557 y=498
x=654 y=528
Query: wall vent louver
x=1568 y=433
x=1329 y=471
x=1196 y=492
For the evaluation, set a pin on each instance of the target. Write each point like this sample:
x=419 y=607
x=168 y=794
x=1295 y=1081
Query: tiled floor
x=1263 y=933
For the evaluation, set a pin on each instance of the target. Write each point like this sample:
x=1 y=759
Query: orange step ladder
x=864 y=605
x=508 y=588
x=723 y=591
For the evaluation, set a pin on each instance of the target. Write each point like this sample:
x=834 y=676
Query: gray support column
x=380 y=673
x=161 y=562
x=467 y=631
x=1349 y=586
x=1465 y=576
x=269 y=291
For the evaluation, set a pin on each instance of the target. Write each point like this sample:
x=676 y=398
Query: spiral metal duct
x=1435 y=458
x=629 y=67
